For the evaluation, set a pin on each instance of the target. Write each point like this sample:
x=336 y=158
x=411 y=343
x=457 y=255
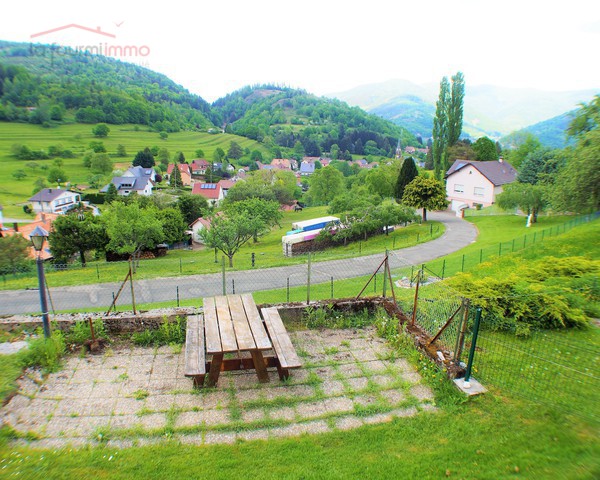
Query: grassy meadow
x=77 y=137
x=499 y=435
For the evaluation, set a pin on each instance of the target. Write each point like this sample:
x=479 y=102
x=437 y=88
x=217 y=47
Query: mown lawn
x=267 y=253
x=494 y=436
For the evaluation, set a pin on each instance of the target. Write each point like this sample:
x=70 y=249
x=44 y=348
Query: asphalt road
x=459 y=233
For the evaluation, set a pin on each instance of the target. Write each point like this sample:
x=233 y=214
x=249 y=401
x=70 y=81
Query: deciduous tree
x=192 y=207
x=267 y=211
x=532 y=199
x=229 y=234
x=325 y=185
x=13 y=254
x=425 y=193
x=101 y=130
x=485 y=149
x=131 y=229
x=76 y=233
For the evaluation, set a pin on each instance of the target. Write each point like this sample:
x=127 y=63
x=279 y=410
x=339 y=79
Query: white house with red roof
x=196 y=227
x=213 y=192
x=469 y=182
x=199 y=166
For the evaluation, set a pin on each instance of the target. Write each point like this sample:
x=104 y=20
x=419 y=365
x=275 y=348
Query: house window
x=479 y=191
x=459 y=188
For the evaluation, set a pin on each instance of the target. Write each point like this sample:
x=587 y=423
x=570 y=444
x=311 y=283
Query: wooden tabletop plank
x=276 y=327
x=228 y=341
x=256 y=325
x=211 y=326
x=243 y=334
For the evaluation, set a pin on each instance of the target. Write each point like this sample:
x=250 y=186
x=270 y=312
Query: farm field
x=77 y=137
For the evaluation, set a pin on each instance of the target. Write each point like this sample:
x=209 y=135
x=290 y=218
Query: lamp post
x=38 y=236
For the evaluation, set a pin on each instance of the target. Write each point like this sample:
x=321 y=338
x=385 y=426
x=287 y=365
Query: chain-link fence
x=551 y=367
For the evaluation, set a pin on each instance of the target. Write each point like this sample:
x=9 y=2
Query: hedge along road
x=459 y=233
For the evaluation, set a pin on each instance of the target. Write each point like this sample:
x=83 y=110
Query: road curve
x=459 y=233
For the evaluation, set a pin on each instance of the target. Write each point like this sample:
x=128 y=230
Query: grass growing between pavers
x=494 y=436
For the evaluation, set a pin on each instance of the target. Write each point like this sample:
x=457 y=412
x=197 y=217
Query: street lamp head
x=37 y=238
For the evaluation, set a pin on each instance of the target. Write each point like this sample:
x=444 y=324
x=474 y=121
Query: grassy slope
x=493 y=436
x=268 y=253
x=77 y=137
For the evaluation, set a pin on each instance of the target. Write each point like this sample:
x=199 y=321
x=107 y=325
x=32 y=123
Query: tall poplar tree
x=440 y=127
x=448 y=120
x=455 y=111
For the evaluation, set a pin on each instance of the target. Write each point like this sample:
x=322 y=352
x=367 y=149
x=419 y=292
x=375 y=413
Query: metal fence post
x=460 y=338
x=178 y=295
x=223 y=275
x=308 y=281
x=443 y=268
x=331 y=287
x=288 y=290
x=385 y=274
x=473 y=345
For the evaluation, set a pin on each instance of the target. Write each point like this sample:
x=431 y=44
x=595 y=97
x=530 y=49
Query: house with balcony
x=54 y=200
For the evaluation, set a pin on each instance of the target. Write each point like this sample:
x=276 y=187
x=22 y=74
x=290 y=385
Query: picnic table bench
x=232 y=324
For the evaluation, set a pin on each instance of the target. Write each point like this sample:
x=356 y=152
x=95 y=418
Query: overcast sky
x=213 y=48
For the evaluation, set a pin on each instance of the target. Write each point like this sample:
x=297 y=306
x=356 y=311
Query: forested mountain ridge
x=39 y=86
x=551 y=132
x=288 y=117
x=42 y=86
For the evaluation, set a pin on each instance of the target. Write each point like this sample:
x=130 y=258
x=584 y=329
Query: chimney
x=43 y=217
x=16 y=226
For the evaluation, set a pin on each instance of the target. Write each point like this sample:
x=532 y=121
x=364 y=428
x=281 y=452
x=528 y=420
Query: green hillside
x=48 y=89
x=551 y=133
x=284 y=116
x=77 y=137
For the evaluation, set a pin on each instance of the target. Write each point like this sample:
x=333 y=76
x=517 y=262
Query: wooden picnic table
x=232 y=324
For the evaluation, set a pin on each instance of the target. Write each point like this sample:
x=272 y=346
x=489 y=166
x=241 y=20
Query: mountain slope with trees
x=37 y=86
x=310 y=125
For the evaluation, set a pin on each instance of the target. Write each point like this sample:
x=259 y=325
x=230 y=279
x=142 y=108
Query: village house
x=135 y=180
x=307 y=168
x=199 y=166
x=213 y=192
x=469 y=183
x=284 y=164
x=196 y=227
x=184 y=169
x=54 y=200
x=43 y=220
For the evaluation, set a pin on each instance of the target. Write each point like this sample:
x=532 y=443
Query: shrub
x=45 y=353
x=167 y=333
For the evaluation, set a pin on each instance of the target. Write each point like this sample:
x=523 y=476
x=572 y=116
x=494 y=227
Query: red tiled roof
x=211 y=191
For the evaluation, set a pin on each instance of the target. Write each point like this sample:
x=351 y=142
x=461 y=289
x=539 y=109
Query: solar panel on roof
x=208 y=186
